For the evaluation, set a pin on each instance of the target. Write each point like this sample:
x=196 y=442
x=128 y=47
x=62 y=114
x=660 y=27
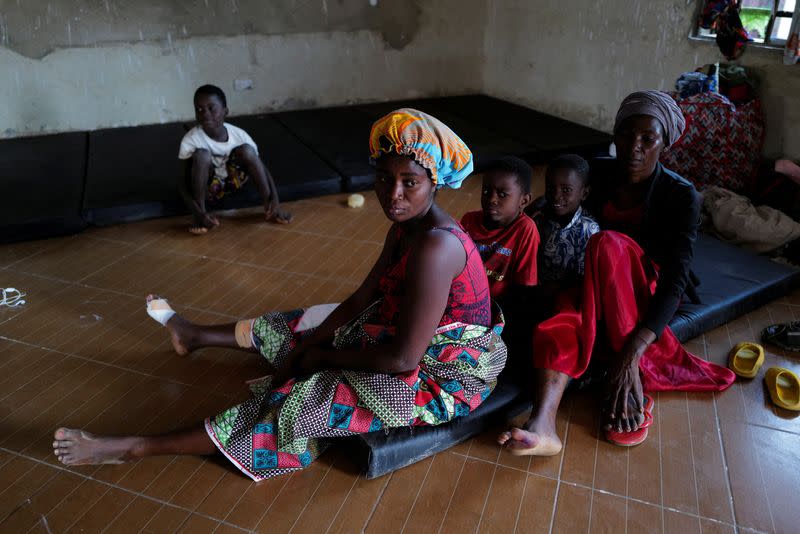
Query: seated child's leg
x=193 y=189
x=246 y=157
x=539 y=436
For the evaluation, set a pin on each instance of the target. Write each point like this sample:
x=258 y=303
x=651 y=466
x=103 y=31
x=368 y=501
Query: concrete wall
x=578 y=59
x=86 y=64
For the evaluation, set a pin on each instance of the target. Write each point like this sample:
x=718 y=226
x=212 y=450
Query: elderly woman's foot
x=629 y=421
x=77 y=447
x=534 y=439
x=181 y=331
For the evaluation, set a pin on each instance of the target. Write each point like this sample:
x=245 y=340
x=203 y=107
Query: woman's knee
x=608 y=242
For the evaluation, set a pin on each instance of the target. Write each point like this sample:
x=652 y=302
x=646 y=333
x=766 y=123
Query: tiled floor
x=82 y=352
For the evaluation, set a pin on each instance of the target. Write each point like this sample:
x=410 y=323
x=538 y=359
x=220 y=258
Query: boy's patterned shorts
x=217 y=188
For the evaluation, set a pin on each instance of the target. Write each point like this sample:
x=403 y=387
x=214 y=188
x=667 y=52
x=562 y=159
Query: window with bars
x=767 y=21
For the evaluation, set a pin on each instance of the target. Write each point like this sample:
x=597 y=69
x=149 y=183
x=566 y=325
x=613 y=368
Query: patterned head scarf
x=655 y=104
x=431 y=143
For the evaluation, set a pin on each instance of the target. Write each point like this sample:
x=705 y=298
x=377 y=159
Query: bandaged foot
x=160 y=310
x=244 y=333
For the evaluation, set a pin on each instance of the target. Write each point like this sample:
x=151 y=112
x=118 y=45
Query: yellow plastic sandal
x=784 y=388
x=746 y=359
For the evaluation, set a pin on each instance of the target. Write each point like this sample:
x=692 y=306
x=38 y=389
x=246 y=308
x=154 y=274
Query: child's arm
x=273 y=211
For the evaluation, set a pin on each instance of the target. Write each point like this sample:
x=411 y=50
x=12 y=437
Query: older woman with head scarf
x=637 y=272
x=414 y=345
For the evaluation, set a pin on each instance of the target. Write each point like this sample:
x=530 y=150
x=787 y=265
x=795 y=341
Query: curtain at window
x=792 y=53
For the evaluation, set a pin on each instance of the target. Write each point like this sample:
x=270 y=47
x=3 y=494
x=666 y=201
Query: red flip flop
x=630 y=439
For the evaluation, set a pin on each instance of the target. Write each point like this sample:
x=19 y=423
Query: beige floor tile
x=469 y=498
x=678 y=523
x=643 y=518
x=572 y=509
x=608 y=514
x=399 y=497
x=502 y=506
x=437 y=489
x=536 y=511
x=679 y=483
x=747 y=478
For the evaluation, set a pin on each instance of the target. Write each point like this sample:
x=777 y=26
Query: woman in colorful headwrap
x=416 y=344
x=637 y=272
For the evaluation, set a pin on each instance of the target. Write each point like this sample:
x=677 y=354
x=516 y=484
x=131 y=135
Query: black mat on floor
x=339 y=137
x=132 y=173
x=296 y=168
x=733 y=282
x=493 y=127
x=484 y=141
x=126 y=174
x=543 y=135
x=42 y=184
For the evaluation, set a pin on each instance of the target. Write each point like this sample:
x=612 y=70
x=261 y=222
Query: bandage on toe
x=160 y=310
x=244 y=333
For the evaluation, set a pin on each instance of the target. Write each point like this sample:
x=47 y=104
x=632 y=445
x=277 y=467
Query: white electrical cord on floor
x=12 y=297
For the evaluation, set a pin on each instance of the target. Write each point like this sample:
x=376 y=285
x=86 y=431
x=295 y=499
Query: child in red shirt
x=506 y=237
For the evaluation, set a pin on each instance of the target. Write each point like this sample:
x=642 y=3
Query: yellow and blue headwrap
x=429 y=141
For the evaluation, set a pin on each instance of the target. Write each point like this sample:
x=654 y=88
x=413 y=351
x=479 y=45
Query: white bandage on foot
x=159 y=310
x=244 y=333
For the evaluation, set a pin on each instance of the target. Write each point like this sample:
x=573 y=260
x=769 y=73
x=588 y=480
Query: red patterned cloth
x=721 y=144
x=468 y=301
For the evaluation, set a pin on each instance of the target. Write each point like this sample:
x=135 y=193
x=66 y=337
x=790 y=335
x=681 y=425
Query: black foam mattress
x=43 y=183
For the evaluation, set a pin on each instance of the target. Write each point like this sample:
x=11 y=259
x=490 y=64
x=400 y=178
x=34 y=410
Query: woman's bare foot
x=77 y=447
x=534 y=439
x=180 y=331
x=632 y=422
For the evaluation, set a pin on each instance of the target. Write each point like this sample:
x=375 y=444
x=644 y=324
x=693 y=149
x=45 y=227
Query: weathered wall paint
x=411 y=49
x=34 y=28
x=578 y=59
